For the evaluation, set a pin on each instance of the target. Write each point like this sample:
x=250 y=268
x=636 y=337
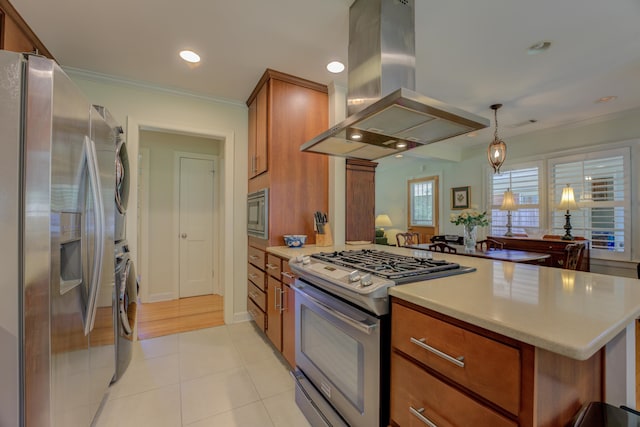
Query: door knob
x=184 y=235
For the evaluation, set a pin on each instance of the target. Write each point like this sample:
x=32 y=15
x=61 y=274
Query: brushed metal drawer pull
x=253 y=257
x=418 y=414
x=458 y=361
x=272 y=267
x=288 y=275
x=252 y=276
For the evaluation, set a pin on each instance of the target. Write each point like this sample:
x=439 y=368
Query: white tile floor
x=226 y=376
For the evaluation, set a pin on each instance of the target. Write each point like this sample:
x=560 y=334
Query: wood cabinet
x=285 y=112
x=288 y=315
x=360 y=200
x=258 y=133
x=271 y=301
x=257 y=287
x=16 y=35
x=456 y=374
x=274 y=301
x=553 y=247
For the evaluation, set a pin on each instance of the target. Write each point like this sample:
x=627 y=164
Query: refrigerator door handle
x=96 y=271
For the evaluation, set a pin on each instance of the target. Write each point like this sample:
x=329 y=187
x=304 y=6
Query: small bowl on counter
x=295 y=240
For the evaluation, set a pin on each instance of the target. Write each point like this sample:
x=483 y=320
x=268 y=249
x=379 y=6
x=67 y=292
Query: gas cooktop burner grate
x=400 y=268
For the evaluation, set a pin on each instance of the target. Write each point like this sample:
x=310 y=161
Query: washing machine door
x=127 y=298
x=122 y=177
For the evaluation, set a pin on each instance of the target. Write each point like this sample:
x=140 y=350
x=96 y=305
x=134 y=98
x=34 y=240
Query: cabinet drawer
x=256 y=314
x=487 y=367
x=256 y=257
x=273 y=266
x=257 y=295
x=445 y=406
x=256 y=276
x=288 y=276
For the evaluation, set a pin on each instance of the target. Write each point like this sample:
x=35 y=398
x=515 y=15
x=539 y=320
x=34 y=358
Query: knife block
x=324 y=239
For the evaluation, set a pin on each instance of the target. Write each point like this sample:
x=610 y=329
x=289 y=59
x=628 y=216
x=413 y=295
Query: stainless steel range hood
x=386 y=116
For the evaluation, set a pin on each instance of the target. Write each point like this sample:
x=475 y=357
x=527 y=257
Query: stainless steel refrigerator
x=57 y=180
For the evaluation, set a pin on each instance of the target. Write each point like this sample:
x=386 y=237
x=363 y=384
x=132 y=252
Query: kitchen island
x=568 y=327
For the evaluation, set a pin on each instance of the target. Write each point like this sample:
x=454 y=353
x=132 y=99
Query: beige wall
x=161 y=265
x=607 y=132
x=138 y=106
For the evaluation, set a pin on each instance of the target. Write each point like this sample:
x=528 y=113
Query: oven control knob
x=354 y=276
x=306 y=260
x=366 y=280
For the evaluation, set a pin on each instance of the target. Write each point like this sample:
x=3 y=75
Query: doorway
x=178 y=220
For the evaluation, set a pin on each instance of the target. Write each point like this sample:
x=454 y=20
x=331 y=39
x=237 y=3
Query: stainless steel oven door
x=338 y=350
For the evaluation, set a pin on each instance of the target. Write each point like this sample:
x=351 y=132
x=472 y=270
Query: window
x=422 y=202
x=524 y=182
x=600 y=182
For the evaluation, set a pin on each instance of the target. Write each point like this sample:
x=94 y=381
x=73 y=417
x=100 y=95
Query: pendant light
x=497 y=151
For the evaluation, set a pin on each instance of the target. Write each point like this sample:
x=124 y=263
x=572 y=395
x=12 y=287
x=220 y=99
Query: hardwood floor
x=186 y=314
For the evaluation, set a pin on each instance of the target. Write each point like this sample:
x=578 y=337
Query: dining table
x=513 y=255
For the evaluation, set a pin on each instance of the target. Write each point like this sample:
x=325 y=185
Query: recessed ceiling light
x=356 y=136
x=539 y=47
x=401 y=145
x=189 y=56
x=472 y=134
x=399 y=156
x=335 y=67
x=605 y=99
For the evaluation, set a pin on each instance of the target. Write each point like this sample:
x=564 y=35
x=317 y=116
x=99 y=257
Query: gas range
x=364 y=276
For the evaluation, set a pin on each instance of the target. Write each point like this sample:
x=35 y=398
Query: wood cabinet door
x=289 y=325
x=261 y=141
x=257 y=148
x=251 y=148
x=274 y=315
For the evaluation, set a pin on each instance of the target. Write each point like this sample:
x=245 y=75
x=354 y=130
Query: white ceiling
x=469 y=53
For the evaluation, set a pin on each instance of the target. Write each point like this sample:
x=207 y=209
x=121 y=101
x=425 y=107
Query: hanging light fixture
x=497 y=151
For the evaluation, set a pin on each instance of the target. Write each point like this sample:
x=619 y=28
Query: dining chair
x=407 y=239
x=442 y=247
x=573 y=256
x=487 y=244
x=448 y=238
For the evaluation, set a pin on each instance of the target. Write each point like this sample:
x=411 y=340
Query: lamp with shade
x=382 y=221
x=508 y=204
x=568 y=204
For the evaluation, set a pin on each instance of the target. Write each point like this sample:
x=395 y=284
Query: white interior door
x=196 y=226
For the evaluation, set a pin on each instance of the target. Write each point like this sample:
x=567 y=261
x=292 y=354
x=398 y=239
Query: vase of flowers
x=470 y=219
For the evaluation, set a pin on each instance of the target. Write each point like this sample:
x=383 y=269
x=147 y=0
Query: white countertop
x=571 y=313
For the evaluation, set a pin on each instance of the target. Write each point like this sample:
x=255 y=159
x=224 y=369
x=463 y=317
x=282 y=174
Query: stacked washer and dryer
x=126 y=279
x=126 y=286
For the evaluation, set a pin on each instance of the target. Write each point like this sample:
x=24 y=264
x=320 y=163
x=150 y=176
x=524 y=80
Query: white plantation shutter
x=601 y=185
x=524 y=182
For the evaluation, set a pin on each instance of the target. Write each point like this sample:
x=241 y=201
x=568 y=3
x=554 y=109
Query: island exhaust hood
x=386 y=116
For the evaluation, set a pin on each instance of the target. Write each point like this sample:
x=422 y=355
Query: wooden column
x=360 y=200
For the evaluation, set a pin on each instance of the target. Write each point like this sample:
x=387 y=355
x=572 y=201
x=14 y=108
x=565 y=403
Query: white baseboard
x=241 y=317
x=164 y=296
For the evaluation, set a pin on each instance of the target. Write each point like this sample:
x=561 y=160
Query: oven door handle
x=367 y=328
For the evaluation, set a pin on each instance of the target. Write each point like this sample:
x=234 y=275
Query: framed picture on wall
x=460 y=198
